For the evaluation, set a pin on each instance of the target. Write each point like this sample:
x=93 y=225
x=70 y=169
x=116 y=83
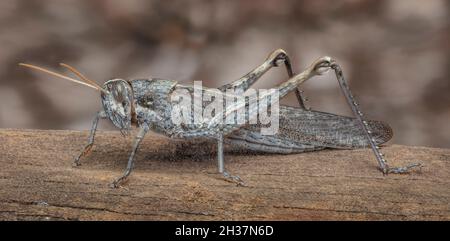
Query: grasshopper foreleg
x=142 y=131
x=88 y=147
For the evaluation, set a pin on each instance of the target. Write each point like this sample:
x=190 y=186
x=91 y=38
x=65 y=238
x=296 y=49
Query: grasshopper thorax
x=117 y=103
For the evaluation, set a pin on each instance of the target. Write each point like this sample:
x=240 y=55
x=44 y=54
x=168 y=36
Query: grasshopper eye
x=118 y=102
x=118 y=97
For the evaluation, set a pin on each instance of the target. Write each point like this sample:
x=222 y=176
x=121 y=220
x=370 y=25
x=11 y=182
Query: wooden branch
x=37 y=181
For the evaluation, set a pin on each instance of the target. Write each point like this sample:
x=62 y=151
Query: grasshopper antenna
x=81 y=76
x=94 y=86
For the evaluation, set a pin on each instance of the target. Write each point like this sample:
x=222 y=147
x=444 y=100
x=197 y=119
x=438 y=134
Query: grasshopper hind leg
x=284 y=58
x=221 y=164
x=382 y=163
x=87 y=149
x=275 y=59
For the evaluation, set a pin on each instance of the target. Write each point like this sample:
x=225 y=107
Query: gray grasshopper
x=146 y=104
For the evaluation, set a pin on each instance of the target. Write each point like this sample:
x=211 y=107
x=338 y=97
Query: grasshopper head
x=117 y=102
x=117 y=95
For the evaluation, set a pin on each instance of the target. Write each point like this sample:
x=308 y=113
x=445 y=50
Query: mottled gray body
x=147 y=104
x=300 y=130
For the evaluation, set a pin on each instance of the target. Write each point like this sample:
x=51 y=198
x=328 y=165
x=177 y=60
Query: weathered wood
x=37 y=181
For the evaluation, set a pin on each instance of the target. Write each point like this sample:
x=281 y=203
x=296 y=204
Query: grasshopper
x=145 y=104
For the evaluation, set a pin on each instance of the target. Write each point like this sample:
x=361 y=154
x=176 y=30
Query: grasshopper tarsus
x=404 y=169
x=400 y=170
x=234 y=179
x=117 y=183
x=76 y=163
x=86 y=150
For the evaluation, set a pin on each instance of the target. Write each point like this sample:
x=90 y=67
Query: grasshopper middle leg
x=88 y=147
x=221 y=164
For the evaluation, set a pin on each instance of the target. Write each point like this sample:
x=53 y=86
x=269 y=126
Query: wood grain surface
x=175 y=180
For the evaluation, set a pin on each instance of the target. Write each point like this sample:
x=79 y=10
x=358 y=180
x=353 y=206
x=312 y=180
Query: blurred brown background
x=395 y=54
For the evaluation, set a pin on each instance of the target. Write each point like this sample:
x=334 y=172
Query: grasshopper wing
x=303 y=130
x=329 y=130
